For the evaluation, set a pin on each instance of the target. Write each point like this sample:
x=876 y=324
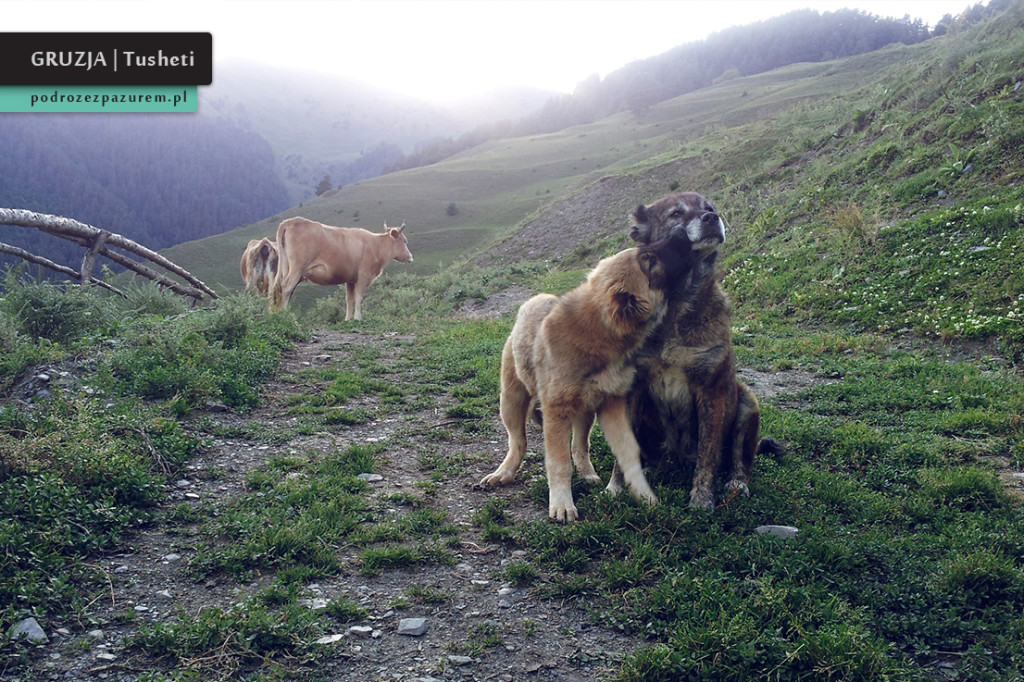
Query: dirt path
x=539 y=638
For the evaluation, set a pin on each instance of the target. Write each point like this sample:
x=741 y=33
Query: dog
x=689 y=406
x=573 y=354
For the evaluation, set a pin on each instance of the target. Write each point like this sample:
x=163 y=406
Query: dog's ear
x=652 y=266
x=628 y=309
x=641 y=222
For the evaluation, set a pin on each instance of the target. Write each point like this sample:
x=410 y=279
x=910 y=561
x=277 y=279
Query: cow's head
x=400 y=243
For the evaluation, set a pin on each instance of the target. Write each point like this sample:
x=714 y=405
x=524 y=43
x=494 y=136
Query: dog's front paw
x=646 y=496
x=590 y=477
x=614 y=486
x=563 y=513
x=702 y=499
x=738 y=487
x=499 y=477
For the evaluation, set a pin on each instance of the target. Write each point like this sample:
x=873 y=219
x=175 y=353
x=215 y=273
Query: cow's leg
x=350 y=297
x=360 y=289
x=618 y=432
x=581 y=447
x=515 y=405
x=284 y=287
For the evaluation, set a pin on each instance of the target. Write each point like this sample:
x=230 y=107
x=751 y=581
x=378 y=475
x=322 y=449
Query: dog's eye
x=675 y=213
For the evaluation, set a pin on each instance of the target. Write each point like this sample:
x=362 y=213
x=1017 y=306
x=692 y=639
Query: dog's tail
x=770 y=446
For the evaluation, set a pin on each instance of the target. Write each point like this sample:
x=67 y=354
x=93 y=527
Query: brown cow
x=259 y=265
x=329 y=256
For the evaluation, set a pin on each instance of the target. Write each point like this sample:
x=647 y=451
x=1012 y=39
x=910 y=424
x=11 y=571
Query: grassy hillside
x=799 y=161
x=501 y=184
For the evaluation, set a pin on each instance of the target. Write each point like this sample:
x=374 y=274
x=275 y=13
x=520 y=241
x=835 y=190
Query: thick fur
x=689 y=406
x=574 y=355
x=259 y=265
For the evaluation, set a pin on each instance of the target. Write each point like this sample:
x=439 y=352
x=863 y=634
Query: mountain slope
x=497 y=186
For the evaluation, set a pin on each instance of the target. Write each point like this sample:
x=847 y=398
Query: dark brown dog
x=688 y=404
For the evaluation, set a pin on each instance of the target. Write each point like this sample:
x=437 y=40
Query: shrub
x=57 y=313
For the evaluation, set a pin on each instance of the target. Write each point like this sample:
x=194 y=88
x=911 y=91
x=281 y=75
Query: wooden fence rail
x=99 y=242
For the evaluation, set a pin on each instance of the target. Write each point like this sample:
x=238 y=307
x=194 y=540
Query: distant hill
x=774 y=150
x=266 y=138
x=262 y=141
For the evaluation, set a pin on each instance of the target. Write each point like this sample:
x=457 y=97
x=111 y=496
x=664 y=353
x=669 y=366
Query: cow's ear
x=641 y=230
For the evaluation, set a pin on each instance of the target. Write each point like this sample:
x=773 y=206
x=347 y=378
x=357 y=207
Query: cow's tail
x=276 y=301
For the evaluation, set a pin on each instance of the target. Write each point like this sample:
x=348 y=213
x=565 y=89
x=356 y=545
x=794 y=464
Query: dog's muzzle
x=704 y=233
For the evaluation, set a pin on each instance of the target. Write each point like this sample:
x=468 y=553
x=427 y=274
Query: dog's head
x=683 y=215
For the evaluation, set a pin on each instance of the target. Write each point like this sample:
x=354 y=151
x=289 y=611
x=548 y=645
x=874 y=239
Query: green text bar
x=99 y=99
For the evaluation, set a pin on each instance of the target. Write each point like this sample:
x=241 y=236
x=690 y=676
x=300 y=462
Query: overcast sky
x=440 y=50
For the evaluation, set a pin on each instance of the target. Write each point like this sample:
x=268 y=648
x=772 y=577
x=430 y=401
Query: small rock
x=121 y=569
x=330 y=639
x=370 y=478
x=414 y=627
x=43 y=377
x=106 y=656
x=460 y=660
x=504 y=604
x=171 y=558
x=141 y=609
x=313 y=604
x=97 y=635
x=505 y=591
x=784 y=532
x=360 y=630
x=163 y=594
x=31 y=630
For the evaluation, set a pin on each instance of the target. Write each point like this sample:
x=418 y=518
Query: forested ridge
x=157 y=179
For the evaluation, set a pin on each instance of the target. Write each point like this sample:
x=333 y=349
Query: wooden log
x=89 y=260
x=87 y=235
x=46 y=263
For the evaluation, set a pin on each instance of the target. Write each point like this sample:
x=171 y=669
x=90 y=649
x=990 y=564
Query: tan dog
x=574 y=354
